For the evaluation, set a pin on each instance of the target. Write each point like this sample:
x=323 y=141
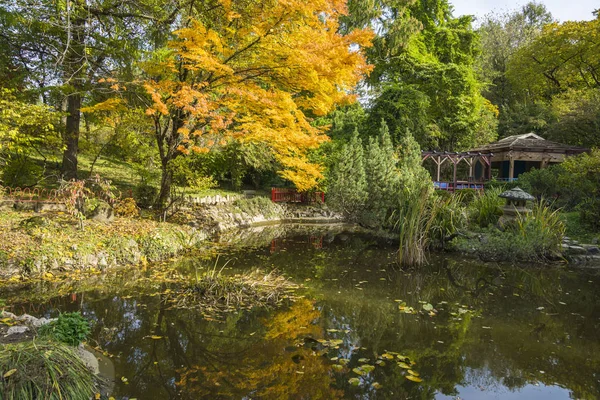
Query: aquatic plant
x=219 y=292
x=70 y=328
x=43 y=370
x=535 y=236
x=415 y=214
x=485 y=208
x=449 y=218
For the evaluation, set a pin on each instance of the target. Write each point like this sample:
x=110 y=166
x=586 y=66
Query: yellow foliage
x=260 y=77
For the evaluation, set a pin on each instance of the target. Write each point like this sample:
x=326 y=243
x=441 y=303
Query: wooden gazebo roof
x=529 y=142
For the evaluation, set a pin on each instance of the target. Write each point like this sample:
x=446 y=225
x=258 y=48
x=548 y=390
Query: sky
x=562 y=10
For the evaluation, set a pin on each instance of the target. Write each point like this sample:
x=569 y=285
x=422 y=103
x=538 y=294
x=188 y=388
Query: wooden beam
x=511 y=169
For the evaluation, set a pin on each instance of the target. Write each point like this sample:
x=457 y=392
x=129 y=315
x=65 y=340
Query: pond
x=465 y=329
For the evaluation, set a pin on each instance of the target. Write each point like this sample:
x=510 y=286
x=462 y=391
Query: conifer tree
x=382 y=178
x=348 y=190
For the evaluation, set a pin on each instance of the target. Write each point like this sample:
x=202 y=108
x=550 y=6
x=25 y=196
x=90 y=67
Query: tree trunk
x=71 y=137
x=165 y=185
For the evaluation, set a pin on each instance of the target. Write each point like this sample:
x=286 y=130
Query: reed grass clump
x=43 y=370
x=219 y=293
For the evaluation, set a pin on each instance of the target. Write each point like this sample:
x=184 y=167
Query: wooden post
x=454 y=176
x=439 y=165
x=511 y=170
x=544 y=163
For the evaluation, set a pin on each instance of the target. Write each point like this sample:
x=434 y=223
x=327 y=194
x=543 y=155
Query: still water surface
x=495 y=332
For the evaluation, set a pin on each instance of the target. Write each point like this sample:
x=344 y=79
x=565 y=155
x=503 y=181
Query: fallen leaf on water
x=354 y=381
x=376 y=385
x=413 y=373
x=403 y=365
x=363 y=360
x=413 y=378
x=155 y=337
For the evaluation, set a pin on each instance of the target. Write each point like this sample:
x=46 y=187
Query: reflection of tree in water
x=261 y=369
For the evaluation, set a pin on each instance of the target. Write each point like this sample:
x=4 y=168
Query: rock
x=102 y=212
x=595 y=241
x=577 y=250
x=88 y=359
x=42 y=321
x=592 y=249
x=14 y=330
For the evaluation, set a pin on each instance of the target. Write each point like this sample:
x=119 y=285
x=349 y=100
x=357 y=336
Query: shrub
x=255 y=206
x=467 y=196
x=127 y=208
x=450 y=217
x=21 y=171
x=485 y=208
x=69 y=328
x=542 y=182
x=43 y=370
x=535 y=236
x=145 y=195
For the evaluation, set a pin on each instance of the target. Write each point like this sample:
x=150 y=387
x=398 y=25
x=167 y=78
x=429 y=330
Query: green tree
x=431 y=85
x=382 y=179
x=348 y=189
x=67 y=48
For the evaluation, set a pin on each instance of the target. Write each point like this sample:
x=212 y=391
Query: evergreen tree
x=348 y=189
x=382 y=178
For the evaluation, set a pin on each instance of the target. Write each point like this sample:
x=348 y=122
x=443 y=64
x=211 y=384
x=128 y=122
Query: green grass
x=43 y=370
x=576 y=229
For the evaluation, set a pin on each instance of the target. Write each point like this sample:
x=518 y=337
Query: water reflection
x=497 y=331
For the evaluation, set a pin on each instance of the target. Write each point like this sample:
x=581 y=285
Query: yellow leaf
x=97 y=397
x=155 y=337
x=413 y=378
x=9 y=373
x=413 y=373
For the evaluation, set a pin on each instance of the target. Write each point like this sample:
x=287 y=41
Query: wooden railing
x=451 y=186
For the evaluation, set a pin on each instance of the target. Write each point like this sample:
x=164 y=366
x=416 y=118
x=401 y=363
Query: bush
x=542 y=182
x=535 y=236
x=127 y=208
x=485 y=208
x=256 y=205
x=450 y=217
x=69 y=328
x=21 y=171
x=145 y=195
x=43 y=370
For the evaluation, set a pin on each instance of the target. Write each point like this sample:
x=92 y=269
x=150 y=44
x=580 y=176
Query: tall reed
x=413 y=220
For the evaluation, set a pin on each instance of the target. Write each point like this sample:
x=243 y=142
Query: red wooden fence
x=279 y=195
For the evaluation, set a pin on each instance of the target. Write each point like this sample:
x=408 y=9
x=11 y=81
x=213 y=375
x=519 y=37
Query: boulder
x=88 y=359
x=16 y=330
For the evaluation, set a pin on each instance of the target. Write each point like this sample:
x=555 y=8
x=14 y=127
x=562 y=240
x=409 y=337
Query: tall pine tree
x=382 y=178
x=348 y=190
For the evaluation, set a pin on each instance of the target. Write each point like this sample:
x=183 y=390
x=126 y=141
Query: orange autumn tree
x=258 y=71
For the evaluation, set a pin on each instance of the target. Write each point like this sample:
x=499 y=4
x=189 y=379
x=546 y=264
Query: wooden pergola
x=472 y=159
